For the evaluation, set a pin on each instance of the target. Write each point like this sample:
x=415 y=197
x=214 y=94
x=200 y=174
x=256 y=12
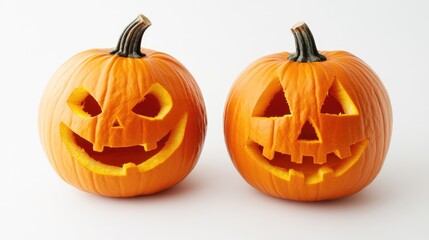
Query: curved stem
x=130 y=40
x=306 y=50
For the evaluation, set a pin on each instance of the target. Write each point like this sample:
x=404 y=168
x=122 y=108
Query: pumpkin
x=308 y=125
x=122 y=123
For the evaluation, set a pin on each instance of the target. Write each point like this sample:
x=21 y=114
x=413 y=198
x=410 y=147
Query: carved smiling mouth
x=118 y=156
x=308 y=171
x=121 y=160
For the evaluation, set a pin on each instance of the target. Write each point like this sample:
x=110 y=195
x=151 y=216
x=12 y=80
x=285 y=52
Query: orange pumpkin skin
x=118 y=152
x=279 y=155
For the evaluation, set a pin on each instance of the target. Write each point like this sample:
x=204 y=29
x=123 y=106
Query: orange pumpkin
x=308 y=126
x=125 y=122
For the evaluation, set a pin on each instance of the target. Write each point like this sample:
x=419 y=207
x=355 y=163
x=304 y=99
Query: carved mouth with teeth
x=306 y=169
x=118 y=156
x=120 y=160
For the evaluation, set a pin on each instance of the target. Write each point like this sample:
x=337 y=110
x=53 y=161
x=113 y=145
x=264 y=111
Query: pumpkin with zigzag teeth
x=308 y=126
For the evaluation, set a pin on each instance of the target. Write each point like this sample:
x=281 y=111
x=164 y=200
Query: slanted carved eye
x=83 y=104
x=272 y=102
x=148 y=107
x=155 y=104
x=338 y=102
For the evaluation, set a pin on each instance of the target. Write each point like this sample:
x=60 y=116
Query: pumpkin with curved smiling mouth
x=308 y=125
x=125 y=122
x=113 y=156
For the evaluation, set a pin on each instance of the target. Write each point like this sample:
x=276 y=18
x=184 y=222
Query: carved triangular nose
x=116 y=123
x=308 y=132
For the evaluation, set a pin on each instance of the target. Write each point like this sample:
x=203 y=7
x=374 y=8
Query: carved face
x=133 y=127
x=123 y=122
x=307 y=131
x=318 y=138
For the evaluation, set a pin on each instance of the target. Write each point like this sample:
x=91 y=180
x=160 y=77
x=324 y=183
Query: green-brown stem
x=130 y=40
x=306 y=50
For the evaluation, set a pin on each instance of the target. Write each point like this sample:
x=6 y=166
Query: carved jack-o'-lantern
x=125 y=122
x=308 y=126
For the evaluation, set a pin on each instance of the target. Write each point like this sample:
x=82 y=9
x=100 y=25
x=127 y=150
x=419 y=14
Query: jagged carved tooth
x=320 y=159
x=296 y=158
x=325 y=172
x=97 y=147
x=150 y=146
x=268 y=153
x=343 y=152
x=130 y=168
x=296 y=176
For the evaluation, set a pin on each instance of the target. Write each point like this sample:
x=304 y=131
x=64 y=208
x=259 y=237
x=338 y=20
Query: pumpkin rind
x=350 y=147
x=119 y=82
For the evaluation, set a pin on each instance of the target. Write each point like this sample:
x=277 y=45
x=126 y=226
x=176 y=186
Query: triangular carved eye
x=272 y=102
x=82 y=103
x=278 y=106
x=332 y=106
x=338 y=102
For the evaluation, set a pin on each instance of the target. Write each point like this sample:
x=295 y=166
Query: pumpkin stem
x=306 y=50
x=130 y=40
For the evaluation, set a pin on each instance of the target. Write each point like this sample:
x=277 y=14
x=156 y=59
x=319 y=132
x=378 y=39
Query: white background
x=215 y=40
